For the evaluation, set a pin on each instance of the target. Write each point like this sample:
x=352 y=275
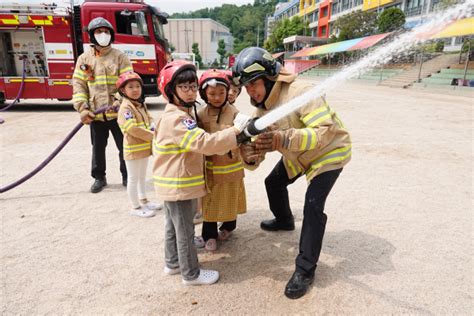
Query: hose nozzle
x=249 y=131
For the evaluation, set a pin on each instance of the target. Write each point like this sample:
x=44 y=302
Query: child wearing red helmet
x=178 y=169
x=136 y=124
x=225 y=172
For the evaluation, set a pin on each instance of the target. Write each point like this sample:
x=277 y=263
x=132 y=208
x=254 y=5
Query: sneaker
x=153 y=206
x=206 y=277
x=211 y=244
x=98 y=185
x=197 y=218
x=171 y=271
x=199 y=242
x=142 y=212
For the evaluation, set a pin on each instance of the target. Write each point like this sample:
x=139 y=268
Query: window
x=131 y=23
x=158 y=28
x=325 y=12
x=323 y=31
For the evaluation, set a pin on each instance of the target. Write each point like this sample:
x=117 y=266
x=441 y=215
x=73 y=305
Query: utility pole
x=258 y=33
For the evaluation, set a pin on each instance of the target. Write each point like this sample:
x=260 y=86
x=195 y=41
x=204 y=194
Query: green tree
x=356 y=24
x=390 y=20
x=197 y=55
x=282 y=29
x=221 y=51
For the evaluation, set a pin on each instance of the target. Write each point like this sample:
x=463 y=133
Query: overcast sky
x=168 y=6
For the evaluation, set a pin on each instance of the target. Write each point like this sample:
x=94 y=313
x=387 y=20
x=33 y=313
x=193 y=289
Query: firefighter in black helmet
x=96 y=72
x=313 y=142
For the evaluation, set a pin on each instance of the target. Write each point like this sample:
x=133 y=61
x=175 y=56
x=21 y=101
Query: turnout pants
x=99 y=136
x=314 y=220
x=179 y=235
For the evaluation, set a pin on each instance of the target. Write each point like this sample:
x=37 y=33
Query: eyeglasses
x=187 y=87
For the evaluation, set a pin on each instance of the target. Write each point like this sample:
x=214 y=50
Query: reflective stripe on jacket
x=94 y=79
x=179 y=147
x=315 y=139
x=227 y=167
x=135 y=122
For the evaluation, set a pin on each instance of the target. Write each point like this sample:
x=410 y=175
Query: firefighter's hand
x=87 y=117
x=249 y=153
x=241 y=121
x=268 y=141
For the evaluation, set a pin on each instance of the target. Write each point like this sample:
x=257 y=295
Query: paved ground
x=398 y=240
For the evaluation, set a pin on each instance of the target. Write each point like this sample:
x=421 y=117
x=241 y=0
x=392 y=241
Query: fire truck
x=39 y=44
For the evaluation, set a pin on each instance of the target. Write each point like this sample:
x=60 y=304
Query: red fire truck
x=43 y=41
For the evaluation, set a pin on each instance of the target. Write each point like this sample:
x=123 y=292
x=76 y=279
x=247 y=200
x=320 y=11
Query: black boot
x=277 y=224
x=98 y=185
x=298 y=285
x=124 y=181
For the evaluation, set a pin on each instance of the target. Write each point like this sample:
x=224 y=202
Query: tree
x=356 y=24
x=221 y=51
x=390 y=20
x=283 y=29
x=197 y=55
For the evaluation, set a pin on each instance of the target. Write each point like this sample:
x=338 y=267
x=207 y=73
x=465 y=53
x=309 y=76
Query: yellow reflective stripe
x=224 y=169
x=189 y=137
x=178 y=182
x=79 y=74
x=125 y=127
x=336 y=155
x=126 y=69
x=137 y=147
x=168 y=149
x=80 y=97
x=309 y=139
x=294 y=169
x=317 y=117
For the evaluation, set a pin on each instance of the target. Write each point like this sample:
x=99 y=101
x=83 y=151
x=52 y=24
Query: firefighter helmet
x=212 y=77
x=126 y=77
x=99 y=22
x=169 y=73
x=253 y=63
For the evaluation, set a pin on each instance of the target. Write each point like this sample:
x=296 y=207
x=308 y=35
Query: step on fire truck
x=47 y=40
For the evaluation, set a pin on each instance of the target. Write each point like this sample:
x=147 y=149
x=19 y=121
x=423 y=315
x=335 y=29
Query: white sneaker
x=206 y=277
x=153 y=206
x=199 y=242
x=170 y=271
x=142 y=212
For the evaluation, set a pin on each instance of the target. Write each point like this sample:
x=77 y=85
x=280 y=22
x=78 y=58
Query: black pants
x=209 y=229
x=99 y=136
x=314 y=221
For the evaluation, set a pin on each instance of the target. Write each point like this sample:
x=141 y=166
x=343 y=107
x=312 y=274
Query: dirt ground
x=398 y=238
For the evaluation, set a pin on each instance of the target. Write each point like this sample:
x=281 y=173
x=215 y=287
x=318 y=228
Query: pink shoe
x=224 y=235
x=211 y=245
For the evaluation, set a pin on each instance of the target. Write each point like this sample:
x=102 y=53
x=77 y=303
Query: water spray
x=378 y=57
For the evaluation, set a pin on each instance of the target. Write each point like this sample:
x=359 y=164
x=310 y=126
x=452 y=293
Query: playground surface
x=398 y=238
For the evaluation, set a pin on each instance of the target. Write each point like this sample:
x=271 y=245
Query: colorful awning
x=276 y=55
x=457 y=28
x=349 y=45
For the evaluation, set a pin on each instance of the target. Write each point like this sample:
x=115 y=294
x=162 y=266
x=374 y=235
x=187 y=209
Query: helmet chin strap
x=268 y=89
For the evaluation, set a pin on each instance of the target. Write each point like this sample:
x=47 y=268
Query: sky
x=168 y=6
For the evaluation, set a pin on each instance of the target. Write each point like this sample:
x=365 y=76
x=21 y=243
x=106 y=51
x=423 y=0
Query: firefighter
x=312 y=140
x=95 y=74
x=178 y=168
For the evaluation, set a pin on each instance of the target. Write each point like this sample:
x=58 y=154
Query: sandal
x=211 y=244
x=224 y=234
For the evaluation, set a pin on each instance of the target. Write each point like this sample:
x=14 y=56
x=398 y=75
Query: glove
x=241 y=121
x=87 y=117
x=269 y=141
x=249 y=153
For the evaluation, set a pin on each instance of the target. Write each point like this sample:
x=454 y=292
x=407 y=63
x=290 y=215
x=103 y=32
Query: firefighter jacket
x=94 y=79
x=179 y=148
x=227 y=167
x=136 y=124
x=314 y=138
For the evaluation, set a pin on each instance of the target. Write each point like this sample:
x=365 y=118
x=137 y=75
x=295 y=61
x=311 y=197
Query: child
x=178 y=169
x=225 y=173
x=136 y=124
x=234 y=90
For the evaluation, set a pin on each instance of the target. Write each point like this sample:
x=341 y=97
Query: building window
x=323 y=31
x=325 y=12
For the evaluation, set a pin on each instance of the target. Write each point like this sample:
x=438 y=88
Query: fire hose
x=20 y=91
x=52 y=155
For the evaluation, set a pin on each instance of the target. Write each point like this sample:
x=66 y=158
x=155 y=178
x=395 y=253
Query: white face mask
x=103 y=39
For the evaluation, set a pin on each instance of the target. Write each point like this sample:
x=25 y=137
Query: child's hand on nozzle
x=241 y=121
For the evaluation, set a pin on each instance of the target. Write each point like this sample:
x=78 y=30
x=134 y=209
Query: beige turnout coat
x=314 y=138
x=94 y=79
x=179 y=147
x=227 y=167
x=136 y=124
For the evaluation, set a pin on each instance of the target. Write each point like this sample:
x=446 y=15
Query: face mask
x=103 y=39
